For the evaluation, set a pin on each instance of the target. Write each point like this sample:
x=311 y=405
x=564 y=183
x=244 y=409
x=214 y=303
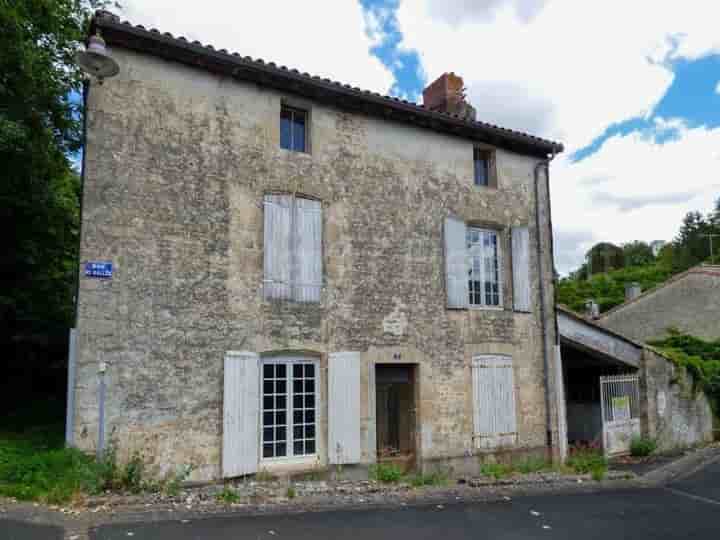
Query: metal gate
x=620 y=402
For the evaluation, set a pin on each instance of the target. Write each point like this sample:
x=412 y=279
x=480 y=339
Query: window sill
x=289 y=462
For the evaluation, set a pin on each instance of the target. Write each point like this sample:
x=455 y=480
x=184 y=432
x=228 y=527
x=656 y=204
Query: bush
x=386 y=472
x=227 y=496
x=641 y=446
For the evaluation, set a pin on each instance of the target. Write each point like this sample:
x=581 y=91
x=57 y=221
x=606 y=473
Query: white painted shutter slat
x=456 y=263
x=241 y=409
x=276 y=246
x=521 y=268
x=308 y=275
x=344 y=407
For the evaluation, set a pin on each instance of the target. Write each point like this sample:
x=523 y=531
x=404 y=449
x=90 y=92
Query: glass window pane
x=310 y=385
x=280 y=450
x=298 y=432
x=280 y=372
x=268 y=371
x=268 y=418
x=298 y=402
x=297 y=371
x=268 y=387
x=285 y=129
x=281 y=402
x=298 y=448
x=309 y=417
x=309 y=447
x=280 y=433
x=280 y=387
x=310 y=431
x=298 y=135
x=280 y=418
x=309 y=370
x=268 y=435
x=297 y=417
x=267 y=450
x=267 y=402
x=297 y=386
x=309 y=401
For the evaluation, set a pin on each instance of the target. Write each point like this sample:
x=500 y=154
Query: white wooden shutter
x=344 y=407
x=456 y=263
x=494 y=419
x=241 y=406
x=521 y=268
x=278 y=214
x=307 y=279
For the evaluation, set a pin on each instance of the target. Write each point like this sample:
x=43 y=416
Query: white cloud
x=327 y=38
x=646 y=189
x=717 y=88
x=568 y=70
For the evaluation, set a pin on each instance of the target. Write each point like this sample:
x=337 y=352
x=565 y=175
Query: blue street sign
x=98 y=269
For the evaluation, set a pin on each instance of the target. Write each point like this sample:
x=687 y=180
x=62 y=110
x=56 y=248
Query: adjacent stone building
x=689 y=302
x=305 y=273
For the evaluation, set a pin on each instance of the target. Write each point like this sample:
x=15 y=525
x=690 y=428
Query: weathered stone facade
x=675 y=413
x=689 y=302
x=177 y=163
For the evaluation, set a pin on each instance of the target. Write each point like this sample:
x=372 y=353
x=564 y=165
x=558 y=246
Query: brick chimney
x=447 y=95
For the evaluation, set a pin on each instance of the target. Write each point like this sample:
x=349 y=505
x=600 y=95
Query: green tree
x=604 y=257
x=637 y=253
x=691 y=246
x=40 y=134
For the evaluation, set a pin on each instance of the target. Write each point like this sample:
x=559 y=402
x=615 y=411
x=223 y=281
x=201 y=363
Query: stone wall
x=177 y=163
x=674 y=413
x=690 y=302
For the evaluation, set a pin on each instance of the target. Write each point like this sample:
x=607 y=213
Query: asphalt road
x=636 y=514
x=18 y=530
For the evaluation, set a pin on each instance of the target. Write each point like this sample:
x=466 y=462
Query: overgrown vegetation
x=228 y=496
x=437 y=478
x=642 y=446
x=587 y=459
x=496 y=470
x=386 y=473
x=698 y=357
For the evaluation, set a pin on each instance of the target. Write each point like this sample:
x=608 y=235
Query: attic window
x=483 y=160
x=293 y=129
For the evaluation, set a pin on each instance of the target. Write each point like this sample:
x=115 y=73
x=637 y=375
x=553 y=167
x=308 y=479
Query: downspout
x=543 y=312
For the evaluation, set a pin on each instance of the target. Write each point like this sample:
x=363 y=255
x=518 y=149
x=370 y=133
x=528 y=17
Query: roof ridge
x=104 y=18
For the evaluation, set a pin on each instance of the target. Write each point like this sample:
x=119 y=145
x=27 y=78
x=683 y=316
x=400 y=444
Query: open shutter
x=241 y=404
x=456 y=263
x=494 y=419
x=344 y=407
x=278 y=213
x=307 y=280
x=521 y=268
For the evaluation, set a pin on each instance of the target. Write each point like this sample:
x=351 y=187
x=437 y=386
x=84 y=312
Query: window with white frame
x=289 y=408
x=293 y=248
x=484 y=273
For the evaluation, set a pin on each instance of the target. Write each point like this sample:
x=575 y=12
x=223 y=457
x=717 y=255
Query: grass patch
x=642 y=446
x=387 y=473
x=227 y=496
x=588 y=460
x=496 y=470
x=436 y=478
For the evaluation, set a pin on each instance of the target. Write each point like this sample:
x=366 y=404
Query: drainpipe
x=543 y=312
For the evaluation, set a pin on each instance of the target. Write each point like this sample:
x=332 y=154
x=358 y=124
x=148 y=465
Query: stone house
x=689 y=301
x=304 y=273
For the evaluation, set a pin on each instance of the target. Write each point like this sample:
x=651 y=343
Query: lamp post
x=97 y=64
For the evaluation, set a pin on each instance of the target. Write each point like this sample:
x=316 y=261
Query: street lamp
x=96 y=61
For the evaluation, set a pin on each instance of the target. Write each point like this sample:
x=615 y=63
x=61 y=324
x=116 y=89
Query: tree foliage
x=40 y=134
x=637 y=253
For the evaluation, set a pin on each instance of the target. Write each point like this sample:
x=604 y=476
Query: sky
x=632 y=89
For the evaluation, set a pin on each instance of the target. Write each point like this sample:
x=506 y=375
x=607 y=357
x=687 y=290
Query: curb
x=681 y=467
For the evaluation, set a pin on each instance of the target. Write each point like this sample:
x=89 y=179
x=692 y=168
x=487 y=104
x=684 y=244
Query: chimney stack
x=592 y=310
x=632 y=291
x=447 y=95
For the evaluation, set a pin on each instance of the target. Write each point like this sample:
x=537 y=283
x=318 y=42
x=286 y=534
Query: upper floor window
x=293 y=248
x=484 y=272
x=293 y=129
x=483 y=167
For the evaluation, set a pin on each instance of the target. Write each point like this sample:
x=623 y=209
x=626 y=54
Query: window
x=293 y=248
x=493 y=387
x=484 y=271
x=293 y=129
x=289 y=408
x=473 y=265
x=483 y=170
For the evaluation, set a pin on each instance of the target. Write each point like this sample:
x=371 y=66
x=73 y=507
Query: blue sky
x=633 y=97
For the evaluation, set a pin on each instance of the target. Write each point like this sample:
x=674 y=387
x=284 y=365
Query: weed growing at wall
x=386 y=473
x=642 y=446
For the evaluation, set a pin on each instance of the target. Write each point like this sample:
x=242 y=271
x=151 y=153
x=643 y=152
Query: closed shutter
x=241 y=404
x=278 y=213
x=456 y=263
x=521 y=268
x=308 y=268
x=344 y=407
x=494 y=420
